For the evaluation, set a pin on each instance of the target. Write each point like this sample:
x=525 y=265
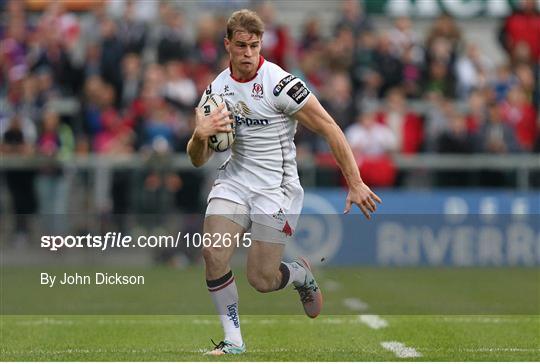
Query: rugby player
x=258 y=187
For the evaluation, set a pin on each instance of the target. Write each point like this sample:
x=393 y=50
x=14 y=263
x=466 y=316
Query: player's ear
x=227 y=43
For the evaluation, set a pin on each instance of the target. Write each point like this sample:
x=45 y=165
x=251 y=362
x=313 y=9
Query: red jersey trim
x=261 y=61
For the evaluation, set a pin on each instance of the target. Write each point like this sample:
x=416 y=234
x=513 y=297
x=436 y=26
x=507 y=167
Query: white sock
x=225 y=296
x=297 y=273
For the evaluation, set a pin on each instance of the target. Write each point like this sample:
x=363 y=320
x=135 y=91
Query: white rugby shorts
x=272 y=214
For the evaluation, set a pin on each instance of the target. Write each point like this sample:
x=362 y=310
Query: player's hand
x=364 y=197
x=215 y=122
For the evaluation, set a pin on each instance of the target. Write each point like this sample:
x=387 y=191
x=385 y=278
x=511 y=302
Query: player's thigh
x=215 y=228
x=224 y=220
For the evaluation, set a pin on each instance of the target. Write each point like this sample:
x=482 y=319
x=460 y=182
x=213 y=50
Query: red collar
x=261 y=61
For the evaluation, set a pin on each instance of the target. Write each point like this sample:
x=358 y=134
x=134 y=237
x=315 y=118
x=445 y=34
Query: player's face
x=244 y=50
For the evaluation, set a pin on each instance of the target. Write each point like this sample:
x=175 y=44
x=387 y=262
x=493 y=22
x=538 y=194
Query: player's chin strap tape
x=220 y=283
x=285 y=275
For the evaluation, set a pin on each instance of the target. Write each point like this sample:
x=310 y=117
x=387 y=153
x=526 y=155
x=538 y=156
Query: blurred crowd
x=136 y=76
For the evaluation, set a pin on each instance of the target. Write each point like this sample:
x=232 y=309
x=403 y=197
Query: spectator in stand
x=520 y=115
x=143 y=10
x=536 y=92
x=496 y=136
x=438 y=79
x=276 y=42
x=115 y=135
x=473 y=70
x=525 y=77
x=55 y=141
x=18 y=136
x=437 y=118
x=503 y=82
x=112 y=52
x=520 y=32
x=387 y=65
x=154 y=76
x=160 y=128
x=404 y=39
x=310 y=70
x=51 y=53
x=338 y=100
x=311 y=38
x=179 y=89
x=172 y=41
x=367 y=137
x=444 y=27
x=92 y=62
x=406 y=46
x=405 y=124
x=353 y=17
x=30 y=105
x=442 y=46
x=366 y=80
x=535 y=176
x=47 y=91
x=15 y=38
x=131 y=32
x=131 y=79
x=90 y=108
x=372 y=142
x=209 y=43
x=456 y=139
x=340 y=51
x=412 y=74
x=477 y=112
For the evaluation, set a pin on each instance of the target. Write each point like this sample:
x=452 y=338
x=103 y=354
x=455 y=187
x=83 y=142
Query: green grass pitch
x=440 y=314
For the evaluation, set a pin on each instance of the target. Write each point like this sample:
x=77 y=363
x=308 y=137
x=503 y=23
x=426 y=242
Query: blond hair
x=245 y=20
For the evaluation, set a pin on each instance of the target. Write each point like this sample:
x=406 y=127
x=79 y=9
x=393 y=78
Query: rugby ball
x=219 y=142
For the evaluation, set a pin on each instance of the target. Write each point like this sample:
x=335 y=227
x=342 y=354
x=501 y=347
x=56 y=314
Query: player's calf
x=264 y=282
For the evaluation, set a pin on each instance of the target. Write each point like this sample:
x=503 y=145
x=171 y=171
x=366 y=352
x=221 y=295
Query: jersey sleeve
x=289 y=92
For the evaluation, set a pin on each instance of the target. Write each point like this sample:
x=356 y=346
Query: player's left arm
x=316 y=118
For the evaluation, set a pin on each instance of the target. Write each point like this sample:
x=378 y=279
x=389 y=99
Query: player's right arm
x=205 y=126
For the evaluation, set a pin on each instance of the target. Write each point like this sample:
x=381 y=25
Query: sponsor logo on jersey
x=226 y=91
x=241 y=111
x=287 y=229
x=240 y=108
x=281 y=85
x=298 y=92
x=249 y=121
x=257 y=92
x=279 y=216
x=232 y=314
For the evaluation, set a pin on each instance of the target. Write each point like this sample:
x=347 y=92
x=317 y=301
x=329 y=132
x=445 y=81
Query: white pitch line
x=373 y=321
x=484 y=320
x=400 y=350
x=330 y=285
x=355 y=304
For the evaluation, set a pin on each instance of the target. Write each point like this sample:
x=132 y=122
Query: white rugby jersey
x=263 y=154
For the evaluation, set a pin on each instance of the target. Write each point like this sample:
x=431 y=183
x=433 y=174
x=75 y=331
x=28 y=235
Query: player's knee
x=213 y=257
x=261 y=282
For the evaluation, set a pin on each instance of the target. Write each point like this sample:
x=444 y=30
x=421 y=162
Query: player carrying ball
x=258 y=186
